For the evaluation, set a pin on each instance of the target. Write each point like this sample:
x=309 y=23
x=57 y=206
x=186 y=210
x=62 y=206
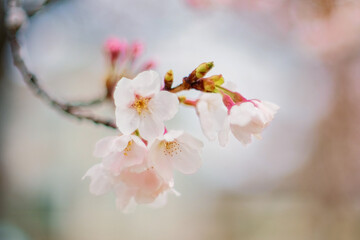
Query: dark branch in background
x=33 y=83
x=33 y=11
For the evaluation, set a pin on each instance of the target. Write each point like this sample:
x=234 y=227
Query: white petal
x=121 y=142
x=172 y=135
x=271 y=106
x=150 y=127
x=160 y=161
x=223 y=135
x=192 y=142
x=242 y=114
x=124 y=93
x=147 y=83
x=133 y=155
x=104 y=146
x=160 y=201
x=212 y=114
x=101 y=181
x=240 y=134
x=127 y=120
x=164 y=105
x=188 y=161
x=124 y=195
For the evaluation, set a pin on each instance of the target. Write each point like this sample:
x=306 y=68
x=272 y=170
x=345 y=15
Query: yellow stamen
x=128 y=148
x=171 y=148
x=140 y=104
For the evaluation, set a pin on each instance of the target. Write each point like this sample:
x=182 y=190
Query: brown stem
x=32 y=82
x=178 y=88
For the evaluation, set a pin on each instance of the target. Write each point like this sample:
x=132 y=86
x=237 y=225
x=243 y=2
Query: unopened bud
x=151 y=64
x=209 y=85
x=203 y=69
x=137 y=49
x=217 y=79
x=169 y=79
x=114 y=47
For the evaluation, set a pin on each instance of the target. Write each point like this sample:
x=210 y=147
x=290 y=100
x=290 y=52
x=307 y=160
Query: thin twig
x=32 y=82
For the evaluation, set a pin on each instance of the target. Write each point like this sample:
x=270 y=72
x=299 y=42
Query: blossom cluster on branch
x=138 y=164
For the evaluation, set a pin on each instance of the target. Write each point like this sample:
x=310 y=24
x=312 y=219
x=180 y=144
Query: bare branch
x=32 y=82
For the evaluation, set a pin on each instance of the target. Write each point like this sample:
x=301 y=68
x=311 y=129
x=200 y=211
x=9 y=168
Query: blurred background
x=302 y=181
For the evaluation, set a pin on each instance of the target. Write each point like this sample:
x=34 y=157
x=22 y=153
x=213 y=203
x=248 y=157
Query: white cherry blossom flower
x=249 y=119
x=141 y=105
x=120 y=152
x=213 y=117
x=175 y=150
x=131 y=188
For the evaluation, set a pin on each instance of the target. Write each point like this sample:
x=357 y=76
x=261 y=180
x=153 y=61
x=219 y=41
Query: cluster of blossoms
x=138 y=164
x=123 y=61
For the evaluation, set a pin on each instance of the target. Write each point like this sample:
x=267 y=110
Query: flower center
x=140 y=104
x=171 y=148
x=128 y=148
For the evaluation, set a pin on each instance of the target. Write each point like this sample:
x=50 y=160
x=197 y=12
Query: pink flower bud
x=114 y=47
x=151 y=64
x=137 y=48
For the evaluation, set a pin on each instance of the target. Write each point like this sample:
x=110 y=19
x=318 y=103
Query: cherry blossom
x=175 y=150
x=249 y=118
x=120 y=152
x=130 y=188
x=213 y=117
x=141 y=105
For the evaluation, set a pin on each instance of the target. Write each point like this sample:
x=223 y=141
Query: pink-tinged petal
x=241 y=115
x=241 y=134
x=161 y=160
x=212 y=114
x=124 y=93
x=124 y=194
x=132 y=154
x=150 y=127
x=160 y=201
x=101 y=181
x=121 y=142
x=148 y=184
x=104 y=146
x=127 y=120
x=271 y=106
x=164 y=105
x=172 y=135
x=190 y=141
x=223 y=135
x=188 y=161
x=147 y=83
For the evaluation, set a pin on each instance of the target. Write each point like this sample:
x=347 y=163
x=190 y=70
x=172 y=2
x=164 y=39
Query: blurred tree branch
x=32 y=82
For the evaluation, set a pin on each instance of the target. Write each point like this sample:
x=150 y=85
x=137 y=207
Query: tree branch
x=32 y=82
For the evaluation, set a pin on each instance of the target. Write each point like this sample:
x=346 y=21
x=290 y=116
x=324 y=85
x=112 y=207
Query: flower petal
x=147 y=83
x=150 y=127
x=104 y=146
x=101 y=181
x=190 y=141
x=164 y=105
x=127 y=120
x=124 y=93
x=188 y=161
x=160 y=161
x=212 y=114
